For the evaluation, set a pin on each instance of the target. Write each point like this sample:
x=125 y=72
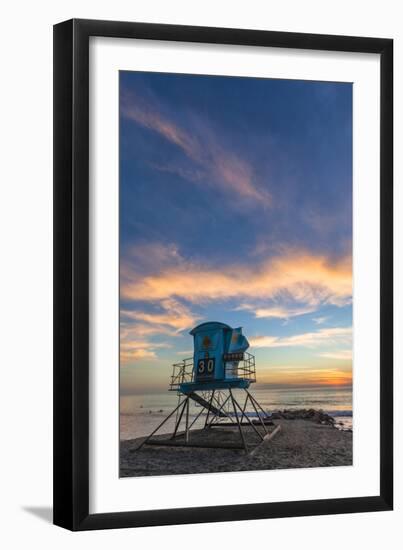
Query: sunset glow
x=235 y=206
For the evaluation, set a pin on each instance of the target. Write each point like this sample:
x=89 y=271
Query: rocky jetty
x=318 y=416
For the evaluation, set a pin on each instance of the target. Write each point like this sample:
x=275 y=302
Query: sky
x=236 y=206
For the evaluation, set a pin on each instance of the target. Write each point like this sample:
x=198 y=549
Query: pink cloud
x=214 y=162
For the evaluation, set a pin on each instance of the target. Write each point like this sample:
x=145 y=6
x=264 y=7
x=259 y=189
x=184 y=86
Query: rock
x=318 y=416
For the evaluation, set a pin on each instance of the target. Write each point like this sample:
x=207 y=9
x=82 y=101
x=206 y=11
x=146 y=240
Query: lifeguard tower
x=220 y=371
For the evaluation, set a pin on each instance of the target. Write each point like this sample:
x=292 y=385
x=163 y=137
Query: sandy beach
x=300 y=443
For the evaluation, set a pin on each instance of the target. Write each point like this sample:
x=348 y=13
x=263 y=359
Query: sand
x=300 y=443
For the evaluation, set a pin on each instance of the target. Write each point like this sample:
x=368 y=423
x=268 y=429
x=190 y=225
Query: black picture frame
x=71 y=274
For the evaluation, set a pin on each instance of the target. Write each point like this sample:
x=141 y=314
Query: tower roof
x=210 y=325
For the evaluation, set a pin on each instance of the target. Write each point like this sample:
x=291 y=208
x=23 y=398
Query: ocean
x=141 y=414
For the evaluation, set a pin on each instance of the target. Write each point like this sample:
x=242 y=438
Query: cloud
x=212 y=162
x=170 y=318
x=328 y=336
x=326 y=222
x=277 y=312
x=295 y=275
x=145 y=258
x=129 y=328
x=132 y=350
x=342 y=355
x=137 y=327
x=173 y=315
x=131 y=355
x=320 y=320
x=148 y=114
x=300 y=377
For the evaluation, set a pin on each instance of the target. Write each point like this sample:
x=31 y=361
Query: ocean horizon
x=141 y=414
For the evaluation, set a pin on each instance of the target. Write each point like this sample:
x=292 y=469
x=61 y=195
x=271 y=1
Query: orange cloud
x=302 y=276
x=132 y=350
x=305 y=375
x=202 y=147
x=137 y=326
x=131 y=355
x=317 y=377
x=174 y=315
x=342 y=355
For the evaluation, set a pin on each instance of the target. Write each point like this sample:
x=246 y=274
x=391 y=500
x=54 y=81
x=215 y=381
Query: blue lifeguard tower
x=220 y=368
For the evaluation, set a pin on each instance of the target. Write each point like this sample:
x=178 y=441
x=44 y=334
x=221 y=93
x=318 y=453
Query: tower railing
x=246 y=368
x=182 y=372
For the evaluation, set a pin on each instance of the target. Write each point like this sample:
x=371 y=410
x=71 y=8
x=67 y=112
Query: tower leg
x=196 y=418
x=254 y=403
x=157 y=428
x=208 y=410
x=187 y=422
x=247 y=417
x=220 y=410
x=237 y=421
x=180 y=417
